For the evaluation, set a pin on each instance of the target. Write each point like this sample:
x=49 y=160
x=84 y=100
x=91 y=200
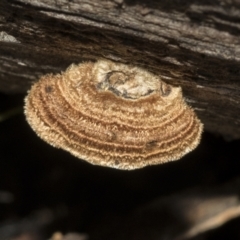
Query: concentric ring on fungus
x=113 y=115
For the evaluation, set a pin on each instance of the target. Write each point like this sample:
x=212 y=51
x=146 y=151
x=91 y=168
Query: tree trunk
x=192 y=44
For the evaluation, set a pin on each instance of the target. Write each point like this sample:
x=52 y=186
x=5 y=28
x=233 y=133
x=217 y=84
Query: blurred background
x=45 y=193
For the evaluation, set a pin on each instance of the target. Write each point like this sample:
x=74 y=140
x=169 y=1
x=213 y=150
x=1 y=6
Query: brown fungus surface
x=113 y=115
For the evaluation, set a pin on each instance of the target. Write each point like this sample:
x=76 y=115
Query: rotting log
x=194 y=44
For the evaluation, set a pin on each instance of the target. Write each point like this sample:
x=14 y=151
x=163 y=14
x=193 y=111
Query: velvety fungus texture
x=113 y=115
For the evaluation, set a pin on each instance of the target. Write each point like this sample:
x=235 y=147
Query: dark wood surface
x=194 y=44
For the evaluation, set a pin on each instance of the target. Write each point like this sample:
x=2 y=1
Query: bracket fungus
x=113 y=115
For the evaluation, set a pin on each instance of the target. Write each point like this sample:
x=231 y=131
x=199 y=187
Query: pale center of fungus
x=132 y=85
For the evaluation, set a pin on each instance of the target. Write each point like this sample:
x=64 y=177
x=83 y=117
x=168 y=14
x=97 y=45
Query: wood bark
x=192 y=44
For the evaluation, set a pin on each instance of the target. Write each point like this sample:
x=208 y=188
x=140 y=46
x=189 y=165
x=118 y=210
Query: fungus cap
x=113 y=115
